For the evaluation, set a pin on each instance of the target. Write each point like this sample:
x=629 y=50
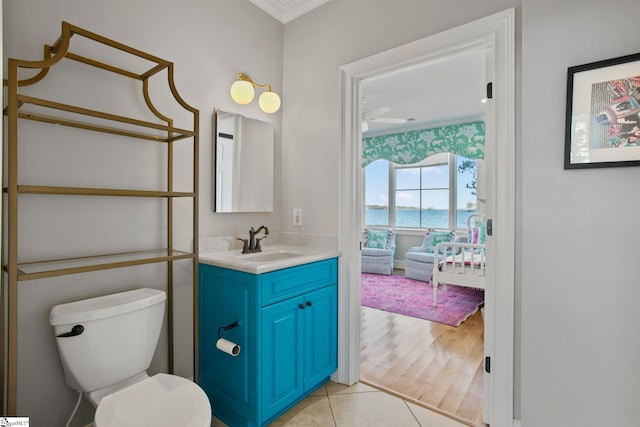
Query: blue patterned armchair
x=378 y=251
x=419 y=259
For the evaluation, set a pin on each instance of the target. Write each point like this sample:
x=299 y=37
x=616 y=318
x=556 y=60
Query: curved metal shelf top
x=60 y=49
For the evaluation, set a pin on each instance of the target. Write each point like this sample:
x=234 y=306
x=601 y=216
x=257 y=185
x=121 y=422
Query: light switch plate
x=297 y=217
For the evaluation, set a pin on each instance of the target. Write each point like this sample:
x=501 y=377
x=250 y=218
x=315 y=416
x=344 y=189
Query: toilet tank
x=118 y=339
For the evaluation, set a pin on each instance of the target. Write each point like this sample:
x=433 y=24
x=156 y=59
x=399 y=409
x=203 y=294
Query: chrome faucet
x=252 y=244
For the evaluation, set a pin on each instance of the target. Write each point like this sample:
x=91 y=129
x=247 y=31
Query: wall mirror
x=243 y=159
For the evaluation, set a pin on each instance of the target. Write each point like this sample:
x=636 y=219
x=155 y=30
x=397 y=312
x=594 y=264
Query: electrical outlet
x=297 y=217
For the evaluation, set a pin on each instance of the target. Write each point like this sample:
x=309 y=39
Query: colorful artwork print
x=615 y=112
x=603 y=114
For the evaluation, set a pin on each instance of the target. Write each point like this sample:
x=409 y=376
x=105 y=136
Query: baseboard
x=400 y=265
x=516 y=423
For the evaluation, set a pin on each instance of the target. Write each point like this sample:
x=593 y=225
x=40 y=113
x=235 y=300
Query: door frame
x=497 y=32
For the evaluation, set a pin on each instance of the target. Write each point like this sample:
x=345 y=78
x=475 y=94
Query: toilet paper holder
x=224 y=345
x=227 y=328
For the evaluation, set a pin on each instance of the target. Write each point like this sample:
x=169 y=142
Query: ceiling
x=286 y=10
x=441 y=91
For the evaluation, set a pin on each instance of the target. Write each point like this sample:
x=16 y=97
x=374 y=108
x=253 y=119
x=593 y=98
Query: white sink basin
x=271 y=258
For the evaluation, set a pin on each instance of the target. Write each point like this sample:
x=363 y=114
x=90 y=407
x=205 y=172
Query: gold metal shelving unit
x=20 y=106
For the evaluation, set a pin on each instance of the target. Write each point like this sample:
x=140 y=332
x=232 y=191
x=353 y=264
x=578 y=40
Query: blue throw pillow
x=377 y=239
x=436 y=237
x=482 y=232
x=482 y=235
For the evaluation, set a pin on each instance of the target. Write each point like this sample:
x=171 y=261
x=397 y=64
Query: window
x=377 y=193
x=467 y=189
x=439 y=192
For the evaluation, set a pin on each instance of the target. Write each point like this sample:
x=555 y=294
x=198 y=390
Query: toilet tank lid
x=105 y=306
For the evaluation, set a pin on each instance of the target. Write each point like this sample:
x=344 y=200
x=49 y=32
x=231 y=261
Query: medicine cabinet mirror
x=243 y=159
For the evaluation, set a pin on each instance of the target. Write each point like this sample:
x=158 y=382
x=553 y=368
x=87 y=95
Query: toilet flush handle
x=75 y=331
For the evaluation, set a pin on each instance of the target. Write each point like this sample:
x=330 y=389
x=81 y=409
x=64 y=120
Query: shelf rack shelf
x=89 y=191
x=20 y=106
x=62 y=267
x=175 y=133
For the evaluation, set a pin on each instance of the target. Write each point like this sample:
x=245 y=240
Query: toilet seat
x=161 y=401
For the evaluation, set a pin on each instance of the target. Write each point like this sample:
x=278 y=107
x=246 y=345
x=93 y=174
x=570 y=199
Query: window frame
x=449 y=159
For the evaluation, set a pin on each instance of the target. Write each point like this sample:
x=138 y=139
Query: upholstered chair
x=378 y=251
x=419 y=259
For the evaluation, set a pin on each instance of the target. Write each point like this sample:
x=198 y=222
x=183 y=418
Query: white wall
x=209 y=42
x=580 y=269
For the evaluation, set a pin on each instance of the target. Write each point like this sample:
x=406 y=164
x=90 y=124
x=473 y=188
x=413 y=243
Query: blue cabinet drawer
x=290 y=282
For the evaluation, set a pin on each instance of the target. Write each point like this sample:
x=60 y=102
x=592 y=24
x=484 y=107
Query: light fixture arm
x=244 y=77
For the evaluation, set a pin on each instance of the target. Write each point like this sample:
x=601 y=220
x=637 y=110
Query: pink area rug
x=398 y=294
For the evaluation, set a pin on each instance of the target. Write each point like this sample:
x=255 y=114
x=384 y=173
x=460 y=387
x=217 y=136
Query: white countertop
x=271 y=258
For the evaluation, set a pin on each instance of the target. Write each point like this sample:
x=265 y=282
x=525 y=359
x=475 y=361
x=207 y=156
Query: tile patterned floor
x=337 y=405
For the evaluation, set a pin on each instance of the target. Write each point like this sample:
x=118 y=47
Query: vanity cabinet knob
x=309 y=304
x=301 y=306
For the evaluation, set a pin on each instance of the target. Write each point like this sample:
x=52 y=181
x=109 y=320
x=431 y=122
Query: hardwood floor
x=436 y=365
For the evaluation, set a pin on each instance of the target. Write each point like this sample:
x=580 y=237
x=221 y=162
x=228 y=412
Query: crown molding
x=287 y=10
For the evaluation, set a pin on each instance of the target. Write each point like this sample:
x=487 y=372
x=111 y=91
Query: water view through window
x=422 y=194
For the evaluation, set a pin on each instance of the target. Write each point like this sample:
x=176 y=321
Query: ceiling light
x=243 y=92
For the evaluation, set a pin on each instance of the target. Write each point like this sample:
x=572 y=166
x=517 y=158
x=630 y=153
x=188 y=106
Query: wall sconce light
x=243 y=91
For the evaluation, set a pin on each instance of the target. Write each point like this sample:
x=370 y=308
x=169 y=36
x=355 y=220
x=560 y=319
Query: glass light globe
x=242 y=92
x=269 y=102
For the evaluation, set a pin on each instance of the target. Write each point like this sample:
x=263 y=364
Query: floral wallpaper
x=466 y=139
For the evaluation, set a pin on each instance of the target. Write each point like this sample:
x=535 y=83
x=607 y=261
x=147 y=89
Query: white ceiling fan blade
x=377 y=112
x=388 y=120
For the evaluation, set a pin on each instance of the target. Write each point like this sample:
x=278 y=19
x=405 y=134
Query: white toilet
x=106 y=345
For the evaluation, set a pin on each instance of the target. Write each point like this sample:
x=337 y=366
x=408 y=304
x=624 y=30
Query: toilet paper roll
x=228 y=347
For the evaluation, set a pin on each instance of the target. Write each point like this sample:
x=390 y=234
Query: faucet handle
x=258 y=248
x=245 y=246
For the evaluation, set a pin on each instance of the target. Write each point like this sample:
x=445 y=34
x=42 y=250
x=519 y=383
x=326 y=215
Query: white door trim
x=498 y=33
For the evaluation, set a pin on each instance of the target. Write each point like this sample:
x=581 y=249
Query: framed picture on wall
x=603 y=114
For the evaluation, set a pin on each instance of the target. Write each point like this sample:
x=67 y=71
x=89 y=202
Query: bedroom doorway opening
x=496 y=33
x=423 y=359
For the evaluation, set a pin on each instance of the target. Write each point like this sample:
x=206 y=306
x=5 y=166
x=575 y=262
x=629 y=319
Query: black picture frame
x=602 y=126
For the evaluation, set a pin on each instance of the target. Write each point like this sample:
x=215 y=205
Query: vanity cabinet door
x=282 y=351
x=320 y=335
x=299 y=347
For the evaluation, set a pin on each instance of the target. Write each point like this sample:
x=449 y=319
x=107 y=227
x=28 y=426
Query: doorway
x=432 y=364
x=496 y=33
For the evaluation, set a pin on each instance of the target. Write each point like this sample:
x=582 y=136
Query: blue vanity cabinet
x=287 y=333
